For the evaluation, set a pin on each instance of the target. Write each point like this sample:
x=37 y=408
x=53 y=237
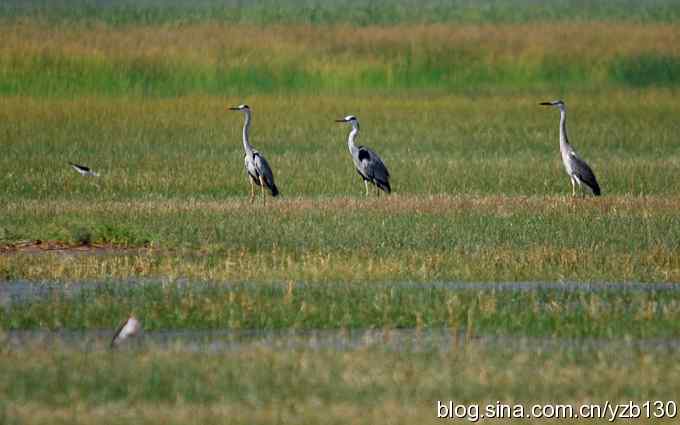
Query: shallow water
x=405 y=340
x=16 y=291
x=224 y=340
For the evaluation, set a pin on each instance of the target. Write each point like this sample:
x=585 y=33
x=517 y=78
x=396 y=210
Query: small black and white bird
x=369 y=165
x=83 y=170
x=130 y=328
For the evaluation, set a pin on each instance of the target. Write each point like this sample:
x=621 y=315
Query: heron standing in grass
x=256 y=166
x=368 y=164
x=579 y=172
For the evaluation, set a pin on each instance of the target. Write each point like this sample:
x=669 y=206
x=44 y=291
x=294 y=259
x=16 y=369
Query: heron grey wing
x=262 y=167
x=584 y=172
x=376 y=166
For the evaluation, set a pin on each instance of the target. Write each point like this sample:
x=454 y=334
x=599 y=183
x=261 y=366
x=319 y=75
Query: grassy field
x=325 y=12
x=215 y=58
x=258 y=386
x=447 y=93
x=547 y=312
x=480 y=193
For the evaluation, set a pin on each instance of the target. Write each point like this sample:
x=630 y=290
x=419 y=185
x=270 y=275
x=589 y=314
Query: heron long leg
x=252 y=190
x=264 y=195
x=573 y=188
x=366 y=183
x=581 y=190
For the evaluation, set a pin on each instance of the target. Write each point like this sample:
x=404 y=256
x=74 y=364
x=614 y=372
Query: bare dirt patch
x=38 y=246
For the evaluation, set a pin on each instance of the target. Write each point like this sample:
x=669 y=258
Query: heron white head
x=350 y=119
x=556 y=103
x=240 y=108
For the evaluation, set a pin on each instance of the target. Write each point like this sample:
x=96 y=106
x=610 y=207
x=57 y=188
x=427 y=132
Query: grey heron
x=579 y=172
x=131 y=327
x=83 y=170
x=257 y=167
x=368 y=164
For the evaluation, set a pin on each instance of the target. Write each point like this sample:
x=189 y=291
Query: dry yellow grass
x=500 y=263
x=498 y=205
x=202 y=43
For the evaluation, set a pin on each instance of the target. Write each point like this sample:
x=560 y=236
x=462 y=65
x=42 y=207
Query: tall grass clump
x=647 y=70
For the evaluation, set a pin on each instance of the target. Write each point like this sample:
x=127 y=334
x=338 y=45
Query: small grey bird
x=579 y=172
x=83 y=170
x=257 y=167
x=130 y=328
x=369 y=165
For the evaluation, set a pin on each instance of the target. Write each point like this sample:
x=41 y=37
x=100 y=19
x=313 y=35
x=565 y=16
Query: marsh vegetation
x=448 y=94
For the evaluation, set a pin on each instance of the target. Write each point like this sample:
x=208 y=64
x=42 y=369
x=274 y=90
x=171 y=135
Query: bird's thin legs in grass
x=573 y=188
x=264 y=195
x=252 y=190
x=366 y=183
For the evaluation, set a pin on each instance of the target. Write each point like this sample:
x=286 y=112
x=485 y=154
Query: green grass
x=191 y=147
x=447 y=94
x=324 y=12
x=511 y=239
x=480 y=193
x=647 y=70
x=218 y=59
x=260 y=385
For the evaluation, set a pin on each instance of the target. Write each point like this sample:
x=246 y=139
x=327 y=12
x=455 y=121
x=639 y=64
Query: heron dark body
x=256 y=178
x=586 y=175
x=377 y=172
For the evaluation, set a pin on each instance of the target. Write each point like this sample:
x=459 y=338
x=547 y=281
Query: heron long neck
x=353 y=136
x=246 y=127
x=564 y=140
